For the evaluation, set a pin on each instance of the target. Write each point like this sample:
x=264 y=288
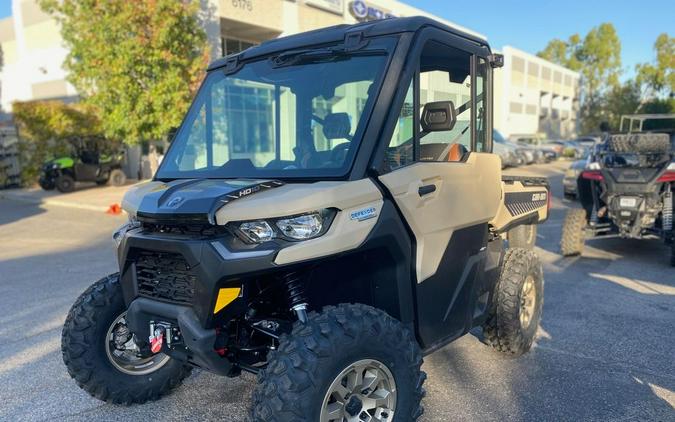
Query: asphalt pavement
x=605 y=348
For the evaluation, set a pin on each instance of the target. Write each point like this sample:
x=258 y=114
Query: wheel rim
x=364 y=391
x=528 y=298
x=124 y=354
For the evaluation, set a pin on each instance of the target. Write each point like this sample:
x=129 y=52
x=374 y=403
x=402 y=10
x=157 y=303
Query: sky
x=530 y=24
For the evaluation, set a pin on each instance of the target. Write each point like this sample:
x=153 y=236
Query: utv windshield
x=293 y=116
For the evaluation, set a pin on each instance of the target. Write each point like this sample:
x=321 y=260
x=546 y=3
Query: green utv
x=328 y=213
x=88 y=163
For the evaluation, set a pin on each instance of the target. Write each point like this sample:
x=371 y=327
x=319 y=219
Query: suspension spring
x=296 y=294
x=668 y=209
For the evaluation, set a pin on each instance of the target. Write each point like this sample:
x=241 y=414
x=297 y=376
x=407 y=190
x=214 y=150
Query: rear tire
x=65 y=183
x=311 y=361
x=573 y=232
x=117 y=178
x=672 y=250
x=517 y=305
x=523 y=236
x=85 y=346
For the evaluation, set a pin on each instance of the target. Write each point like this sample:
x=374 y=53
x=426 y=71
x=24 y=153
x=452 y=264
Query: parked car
x=572 y=175
x=506 y=150
x=540 y=153
x=588 y=141
x=574 y=149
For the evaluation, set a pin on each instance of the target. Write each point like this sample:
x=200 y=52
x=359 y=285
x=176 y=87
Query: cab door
x=446 y=186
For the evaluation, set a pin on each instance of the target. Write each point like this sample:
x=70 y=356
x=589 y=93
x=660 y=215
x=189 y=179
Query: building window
x=232 y=46
x=515 y=107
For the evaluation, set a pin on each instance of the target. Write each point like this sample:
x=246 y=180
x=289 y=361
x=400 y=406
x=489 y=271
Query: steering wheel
x=335 y=154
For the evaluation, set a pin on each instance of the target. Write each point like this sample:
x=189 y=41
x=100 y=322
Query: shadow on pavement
x=11 y=211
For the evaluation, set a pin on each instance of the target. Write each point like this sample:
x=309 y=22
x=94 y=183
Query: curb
x=55 y=202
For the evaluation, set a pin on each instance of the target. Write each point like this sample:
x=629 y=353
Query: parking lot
x=605 y=348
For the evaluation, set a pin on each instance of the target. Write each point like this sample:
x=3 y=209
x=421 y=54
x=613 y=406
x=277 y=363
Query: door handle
x=426 y=189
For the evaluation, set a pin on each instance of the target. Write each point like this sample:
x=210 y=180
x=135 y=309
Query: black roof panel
x=337 y=33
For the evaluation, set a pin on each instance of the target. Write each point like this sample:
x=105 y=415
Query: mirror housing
x=171 y=133
x=438 y=116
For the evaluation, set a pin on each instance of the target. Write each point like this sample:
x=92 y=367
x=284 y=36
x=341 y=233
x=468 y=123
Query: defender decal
x=363 y=214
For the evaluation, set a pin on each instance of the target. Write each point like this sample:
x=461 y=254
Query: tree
x=49 y=129
x=598 y=58
x=659 y=77
x=620 y=100
x=139 y=62
x=564 y=53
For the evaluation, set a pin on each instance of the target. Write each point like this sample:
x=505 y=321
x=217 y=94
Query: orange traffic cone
x=114 y=209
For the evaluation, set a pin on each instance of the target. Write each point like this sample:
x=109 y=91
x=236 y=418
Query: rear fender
x=525 y=200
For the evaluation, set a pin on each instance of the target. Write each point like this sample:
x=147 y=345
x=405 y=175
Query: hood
x=188 y=200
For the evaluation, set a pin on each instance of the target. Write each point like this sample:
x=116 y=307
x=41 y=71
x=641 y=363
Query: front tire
x=47 y=184
x=98 y=367
x=346 y=361
x=573 y=232
x=517 y=304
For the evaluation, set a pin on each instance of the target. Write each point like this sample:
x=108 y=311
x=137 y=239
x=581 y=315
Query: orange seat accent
x=455 y=153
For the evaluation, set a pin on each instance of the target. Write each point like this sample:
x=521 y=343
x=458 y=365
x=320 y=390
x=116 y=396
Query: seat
x=456 y=152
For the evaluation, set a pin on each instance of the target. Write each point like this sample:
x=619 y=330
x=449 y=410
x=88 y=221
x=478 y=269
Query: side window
x=481 y=93
x=400 y=151
x=445 y=75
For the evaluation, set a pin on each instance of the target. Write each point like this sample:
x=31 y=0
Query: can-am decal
x=363 y=214
x=523 y=202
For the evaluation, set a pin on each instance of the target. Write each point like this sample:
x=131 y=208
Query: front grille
x=165 y=276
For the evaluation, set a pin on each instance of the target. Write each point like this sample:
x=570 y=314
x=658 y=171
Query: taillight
x=593 y=175
x=669 y=175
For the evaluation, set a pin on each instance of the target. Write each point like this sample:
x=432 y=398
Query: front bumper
x=211 y=263
x=196 y=344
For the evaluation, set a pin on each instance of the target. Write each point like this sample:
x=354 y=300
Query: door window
x=400 y=151
x=444 y=75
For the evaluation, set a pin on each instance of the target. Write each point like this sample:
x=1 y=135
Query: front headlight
x=297 y=227
x=301 y=227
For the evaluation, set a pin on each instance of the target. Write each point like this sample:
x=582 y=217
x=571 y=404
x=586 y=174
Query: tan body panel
x=505 y=217
x=344 y=234
x=467 y=193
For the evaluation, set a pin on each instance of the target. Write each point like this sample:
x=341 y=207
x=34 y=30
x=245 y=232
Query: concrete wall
x=33 y=57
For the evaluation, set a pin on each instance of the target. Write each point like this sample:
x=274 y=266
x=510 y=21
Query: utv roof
x=337 y=33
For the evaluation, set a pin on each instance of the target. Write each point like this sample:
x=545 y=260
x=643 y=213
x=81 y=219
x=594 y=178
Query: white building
x=535 y=96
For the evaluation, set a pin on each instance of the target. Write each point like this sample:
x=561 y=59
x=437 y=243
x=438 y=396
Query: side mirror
x=438 y=116
x=171 y=133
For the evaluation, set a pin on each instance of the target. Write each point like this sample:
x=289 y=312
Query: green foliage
x=620 y=100
x=139 y=62
x=48 y=129
x=598 y=58
x=659 y=76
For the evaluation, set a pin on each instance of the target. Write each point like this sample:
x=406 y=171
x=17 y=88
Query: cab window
x=444 y=75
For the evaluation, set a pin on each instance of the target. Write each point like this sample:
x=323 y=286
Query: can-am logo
x=363 y=12
x=174 y=202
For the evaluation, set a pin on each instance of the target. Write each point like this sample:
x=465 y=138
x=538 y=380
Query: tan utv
x=328 y=213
